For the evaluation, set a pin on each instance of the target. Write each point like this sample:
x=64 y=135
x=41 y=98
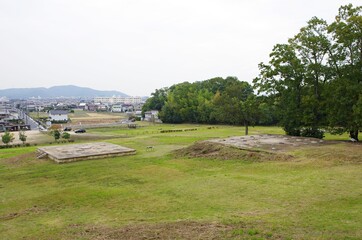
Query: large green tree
x=315 y=79
x=344 y=95
x=236 y=105
x=282 y=79
x=156 y=101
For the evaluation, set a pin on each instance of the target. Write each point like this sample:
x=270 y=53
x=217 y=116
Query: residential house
x=83 y=106
x=116 y=108
x=138 y=114
x=58 y=115
x=127 y=108
x=151 y=116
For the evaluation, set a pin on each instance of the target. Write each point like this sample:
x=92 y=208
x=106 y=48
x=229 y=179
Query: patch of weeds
x=237 y=232
x=268 y=235
x=253 y=232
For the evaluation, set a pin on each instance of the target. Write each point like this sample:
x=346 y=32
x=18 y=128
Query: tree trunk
x=246 y=128
x=354 y=134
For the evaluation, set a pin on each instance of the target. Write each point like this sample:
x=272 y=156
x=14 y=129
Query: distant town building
x=151 y=116
x=118 y=99
x=117 y=108
x=4 y=105
x=83 y=106
x=58 y=115
x=138 y=114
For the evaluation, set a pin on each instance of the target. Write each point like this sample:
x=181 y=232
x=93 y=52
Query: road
x=28 y=120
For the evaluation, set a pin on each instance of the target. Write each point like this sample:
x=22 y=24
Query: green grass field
x=158 y=195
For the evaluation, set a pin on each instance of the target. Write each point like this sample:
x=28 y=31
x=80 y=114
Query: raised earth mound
x=206 y=149
x=253 y=148
x=270 y=142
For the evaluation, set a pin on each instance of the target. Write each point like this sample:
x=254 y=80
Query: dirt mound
x=206 y=149
x=269 y=142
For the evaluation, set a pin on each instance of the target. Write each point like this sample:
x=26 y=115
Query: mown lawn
x=315 y=195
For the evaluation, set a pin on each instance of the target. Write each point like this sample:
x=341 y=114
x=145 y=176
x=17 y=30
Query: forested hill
x=216 y=100
x=57 y=91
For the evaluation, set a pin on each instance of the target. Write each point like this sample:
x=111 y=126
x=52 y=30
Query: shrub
x=312 y=132
x=55 y=134
x=7 y=138
x=22 y=136
x=291 y=131
x=65 y=135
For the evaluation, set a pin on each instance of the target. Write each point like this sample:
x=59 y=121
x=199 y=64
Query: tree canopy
x=315 y=79
x=216 y=100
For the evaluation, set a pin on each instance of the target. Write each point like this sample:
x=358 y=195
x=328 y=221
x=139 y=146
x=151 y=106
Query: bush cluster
x=305 y=132
x=312 y=132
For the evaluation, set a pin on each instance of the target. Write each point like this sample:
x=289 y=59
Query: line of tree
x=217 y=100
x=311 y=83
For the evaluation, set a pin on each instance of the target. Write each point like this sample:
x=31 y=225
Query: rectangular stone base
x=77 y=152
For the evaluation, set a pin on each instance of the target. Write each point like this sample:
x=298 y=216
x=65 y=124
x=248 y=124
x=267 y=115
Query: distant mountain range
x=57 y=91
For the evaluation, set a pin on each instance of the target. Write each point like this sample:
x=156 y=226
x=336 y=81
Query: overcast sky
x=136 y=46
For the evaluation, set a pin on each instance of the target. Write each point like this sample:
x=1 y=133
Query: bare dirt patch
x=33 y=136
x=95 y=118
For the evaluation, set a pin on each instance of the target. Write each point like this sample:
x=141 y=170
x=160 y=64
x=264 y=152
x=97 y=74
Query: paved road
x=28 y=120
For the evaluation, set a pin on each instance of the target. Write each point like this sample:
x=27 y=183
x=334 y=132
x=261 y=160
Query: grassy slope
x=319 y=195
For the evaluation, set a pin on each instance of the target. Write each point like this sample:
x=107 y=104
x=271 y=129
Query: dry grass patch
x=343 y=152
x=20 y=160
x=174 y=230
x=32 y=210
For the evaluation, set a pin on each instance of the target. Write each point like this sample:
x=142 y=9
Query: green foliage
x=65 y=135
x=312 y=132
x=216 y=100
x=7 y=138
x=56 y=134
x=315 y=79
x=156 y=101
x=22 y=136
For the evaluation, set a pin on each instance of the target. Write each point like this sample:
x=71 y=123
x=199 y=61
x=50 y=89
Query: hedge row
x=17 y=145
x=178 y=130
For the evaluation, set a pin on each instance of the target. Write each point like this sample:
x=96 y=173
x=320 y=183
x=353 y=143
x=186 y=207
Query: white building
x=58 y=115
x=118 y=99
x=151 y=116
x=117 y=108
